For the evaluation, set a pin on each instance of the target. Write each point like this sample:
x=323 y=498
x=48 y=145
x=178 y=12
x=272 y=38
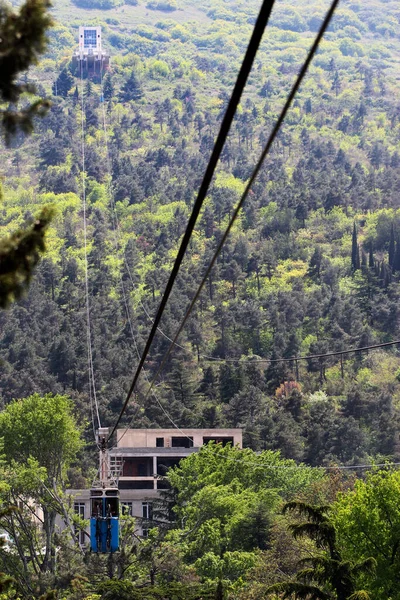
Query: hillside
x=288 y=283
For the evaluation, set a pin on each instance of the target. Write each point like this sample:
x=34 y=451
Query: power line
x=264 y=153
x=244 y=72
x=298 y=358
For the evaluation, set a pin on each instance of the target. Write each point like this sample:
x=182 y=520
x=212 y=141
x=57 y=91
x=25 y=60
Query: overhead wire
x=249 y=184
x=222 y=241
x=255 y=359
x=244 y=72
x=91 y=377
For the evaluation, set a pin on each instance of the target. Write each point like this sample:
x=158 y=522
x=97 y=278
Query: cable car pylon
x=104 y=502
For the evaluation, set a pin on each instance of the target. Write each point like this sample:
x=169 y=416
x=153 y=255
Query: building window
x=147 y=510
x=160 y=442
x=126 y=508
x=79 y=508
x=89 y=38
x=145 y=533
x=182 y=442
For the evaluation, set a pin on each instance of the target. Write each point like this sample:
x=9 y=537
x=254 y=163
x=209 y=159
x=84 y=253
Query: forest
x=312 y=266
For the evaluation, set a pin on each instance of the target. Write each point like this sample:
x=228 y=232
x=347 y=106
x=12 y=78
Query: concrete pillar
x=155 y=471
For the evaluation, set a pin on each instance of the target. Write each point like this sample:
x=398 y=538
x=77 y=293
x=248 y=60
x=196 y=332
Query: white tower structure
x=90 y=57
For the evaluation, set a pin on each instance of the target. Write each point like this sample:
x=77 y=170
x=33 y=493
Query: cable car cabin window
x=112 y=507
x=182 y=442
x=160 y=442
x=105 y=507
x=218 y=440
x=97 y=508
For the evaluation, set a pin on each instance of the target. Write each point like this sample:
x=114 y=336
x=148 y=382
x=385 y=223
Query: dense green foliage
x=312 y=265
x=22 y=41
x=290 y=280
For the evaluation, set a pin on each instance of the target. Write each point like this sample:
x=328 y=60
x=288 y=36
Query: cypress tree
x=88 y=89
x=371 y=262
x=391 y=247
x=108 y=87
x=396 y=260
x=355 y=252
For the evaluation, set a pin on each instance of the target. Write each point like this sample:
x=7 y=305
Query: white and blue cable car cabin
x=104 y=520
x=104 y=503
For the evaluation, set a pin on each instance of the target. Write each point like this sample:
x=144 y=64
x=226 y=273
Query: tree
x=108 y=87
x=22 y=40
x=131 y=90
x=391 y=247
x=326 y=575
x=41 y=439
x=336 y=83
x=367 y=521
x=63 y=84
x=88 y=91
x=355 y=251
x=225 y=500
x=19 y=254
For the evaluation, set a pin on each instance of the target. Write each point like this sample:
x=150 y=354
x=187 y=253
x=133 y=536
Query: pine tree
x=63 y=84
x=355 y=251
x=336 y=84
x=108 y=87
x=391 y=247
x=396 y=259
x=131 y=90
x=22 y=41
x=75 y=95
x=88 y=91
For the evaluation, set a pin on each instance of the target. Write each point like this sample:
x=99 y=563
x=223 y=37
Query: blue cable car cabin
x=104 y=520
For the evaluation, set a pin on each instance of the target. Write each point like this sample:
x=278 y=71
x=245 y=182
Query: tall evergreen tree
x=396 y=260
x=355 y=251
x=131 y=90
x=63 y=84
x=75 y=95
x=108 y=87
x=88 y=89
x=336 y=83
x=391 y=246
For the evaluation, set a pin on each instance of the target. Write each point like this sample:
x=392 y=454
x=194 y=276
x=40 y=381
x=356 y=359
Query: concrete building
x=90 y=57
x=141 y=459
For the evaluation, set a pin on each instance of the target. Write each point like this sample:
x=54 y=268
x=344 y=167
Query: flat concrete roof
x=139 y=452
